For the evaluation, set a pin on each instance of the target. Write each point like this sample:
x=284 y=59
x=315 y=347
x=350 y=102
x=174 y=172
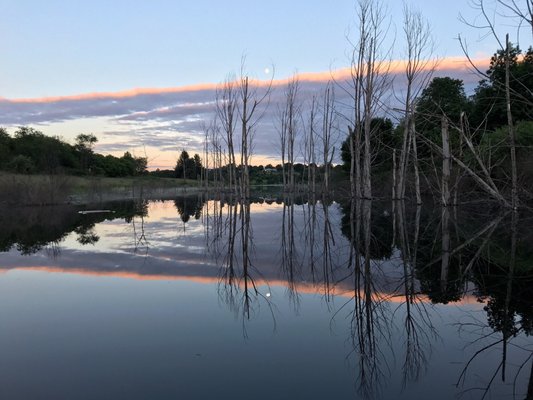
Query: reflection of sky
x=173 y=328
x=160 y=339
x=161 y=246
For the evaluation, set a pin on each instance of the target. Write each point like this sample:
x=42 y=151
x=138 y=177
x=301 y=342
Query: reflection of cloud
x=341 y=290
x=159 y=117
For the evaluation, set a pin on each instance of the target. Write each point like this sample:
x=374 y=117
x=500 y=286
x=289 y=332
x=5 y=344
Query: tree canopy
x=30 y=151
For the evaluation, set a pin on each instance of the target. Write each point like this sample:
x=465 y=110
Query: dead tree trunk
x=418 y=71
x=328 y=116
x=311 y=154
x=289 y=125
x=445 y=185
x=512 y=140
x=369 y=76
x=226 y=101
x=249 y=100
x=415 y=162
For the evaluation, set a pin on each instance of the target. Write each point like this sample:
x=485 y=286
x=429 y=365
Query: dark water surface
x=196 y=299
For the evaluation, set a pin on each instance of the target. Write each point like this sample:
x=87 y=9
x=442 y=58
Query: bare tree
x=369 y=81
x=445 y=185
x=418 y=71
x=204 y=176
x=328 y=121
x=250 y=97
x=510 y=126
x=290 y=115
x=523 y=14
x=310 y=146
x=226 y=103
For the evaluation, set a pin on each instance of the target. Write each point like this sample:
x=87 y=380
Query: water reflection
x=388 y=274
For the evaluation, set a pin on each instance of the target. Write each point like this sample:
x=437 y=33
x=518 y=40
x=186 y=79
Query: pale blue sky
x=76 y=47
x=60 y=47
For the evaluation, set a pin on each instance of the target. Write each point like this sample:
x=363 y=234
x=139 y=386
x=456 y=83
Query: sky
x=141 y=75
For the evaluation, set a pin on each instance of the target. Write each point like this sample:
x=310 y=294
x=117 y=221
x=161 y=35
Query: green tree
x=197 y=166
x=187 y=167
x=443 y=96
x=84 y=146
x=5 y=148
x=489 y=106
x=48 y=154
x=382 y=142
x=21 y=164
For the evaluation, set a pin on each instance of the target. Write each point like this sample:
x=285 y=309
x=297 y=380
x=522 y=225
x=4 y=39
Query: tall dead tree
x=289 y=116
x=418 y=71
x=369 y=82
x=226 y=107
x=510 y=127
x=446 y=158
x=328 y=121
x=252 y=96
x=204 y=173
x=310 y=147
x=523 y=14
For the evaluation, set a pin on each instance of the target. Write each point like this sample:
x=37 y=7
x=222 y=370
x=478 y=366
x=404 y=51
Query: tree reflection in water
x=419 y=329
x=392 y=266
x=232 y=245
x=509 y=310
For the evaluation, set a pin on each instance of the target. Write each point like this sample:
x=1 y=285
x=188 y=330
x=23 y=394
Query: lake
x=277 y=298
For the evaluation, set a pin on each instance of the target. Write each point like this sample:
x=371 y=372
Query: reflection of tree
x=289 y=255
x=328 y=242
x=369 y=320
x=419 y=329
x=190 y=206
x=374 y=233
x=37 y=228
x=438 y=268
x=234 y=244
x=382 y=232
x=139 y=235
x=310 y=228
x=509 y=295
x=319 y=256
x=86 y=235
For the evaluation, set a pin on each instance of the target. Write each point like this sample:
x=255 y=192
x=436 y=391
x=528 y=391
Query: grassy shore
x=16 y=189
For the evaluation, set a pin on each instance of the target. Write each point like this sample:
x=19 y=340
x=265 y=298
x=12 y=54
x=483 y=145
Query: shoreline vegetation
x=21 y=190
x=45 y=190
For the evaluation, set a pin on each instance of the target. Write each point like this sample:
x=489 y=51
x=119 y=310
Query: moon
x=267 y=71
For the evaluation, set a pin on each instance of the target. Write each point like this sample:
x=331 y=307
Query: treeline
x=191 y=168
x=484 y=112
x=29 y=151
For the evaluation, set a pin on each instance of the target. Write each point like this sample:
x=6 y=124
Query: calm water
x=196 y=299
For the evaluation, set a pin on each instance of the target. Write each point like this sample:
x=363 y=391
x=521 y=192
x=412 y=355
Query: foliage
x=30 y=151
x=495 y=143
x=188 y=168
x=443 y=96
x=382 y=142
x=489 y=109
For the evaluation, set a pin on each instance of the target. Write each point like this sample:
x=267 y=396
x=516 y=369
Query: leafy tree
x=21 y=165
x=84 y=146
x=48 y=154
x=187 y=167
x=443 y=96
x=5 y=147
x=197 y=165
x=489 y=106
x=382 y=142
